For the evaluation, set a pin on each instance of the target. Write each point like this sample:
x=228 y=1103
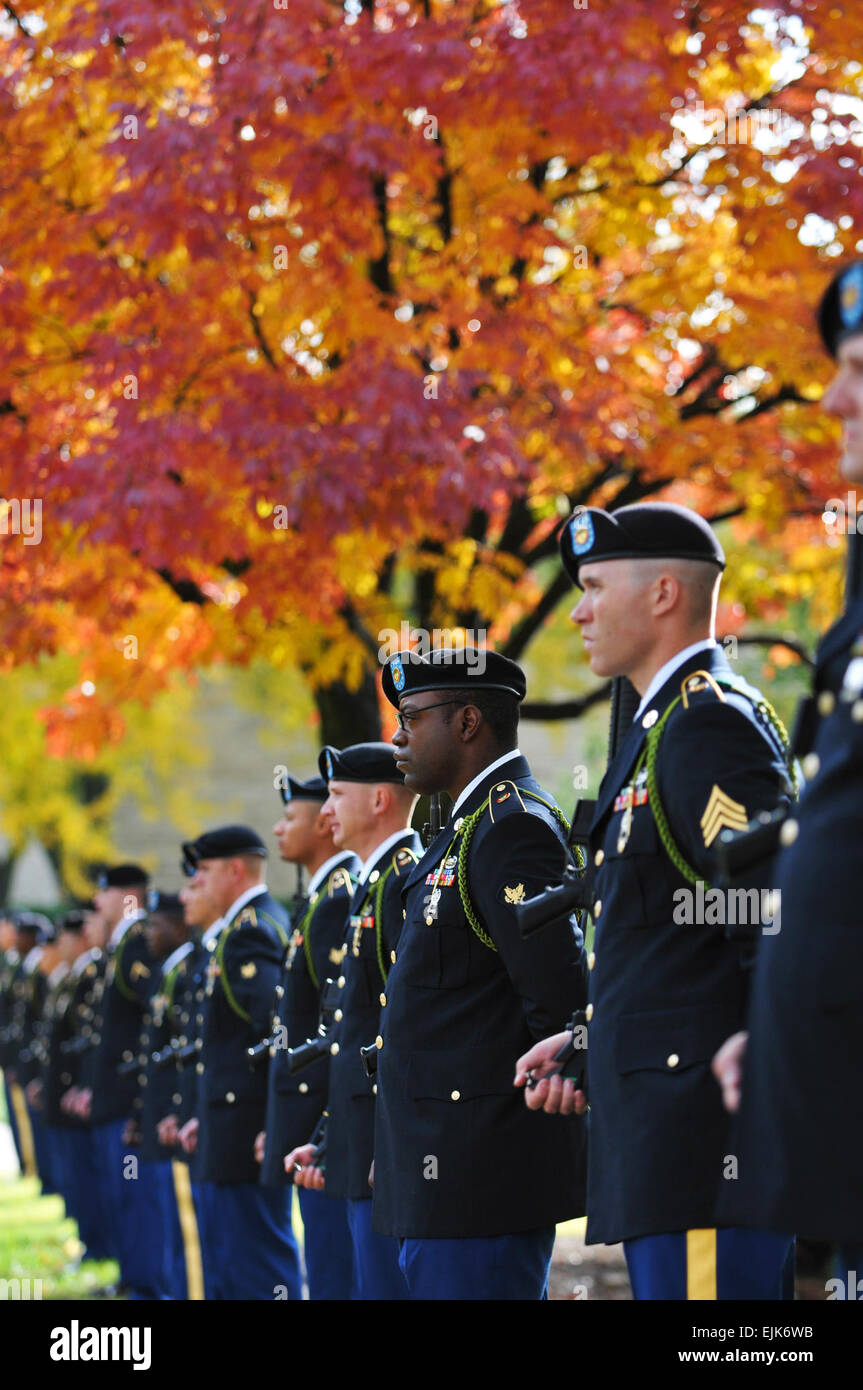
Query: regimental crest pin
x=329 y=763
x=397 y=671
x=514 y=894
x=581 y=533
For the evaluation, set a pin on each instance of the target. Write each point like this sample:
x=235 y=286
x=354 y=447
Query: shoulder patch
x=404 y=859
x=500 y=797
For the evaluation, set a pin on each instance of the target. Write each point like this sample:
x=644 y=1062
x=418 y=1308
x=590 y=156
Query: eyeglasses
x=404 y=719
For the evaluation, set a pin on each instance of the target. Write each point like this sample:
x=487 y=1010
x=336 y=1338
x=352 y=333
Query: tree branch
x=551 y=710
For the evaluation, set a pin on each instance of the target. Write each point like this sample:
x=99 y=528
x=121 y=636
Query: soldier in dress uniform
x=186 y=1002
x=88 y=973
x=51 y=968
x=669 y=977
x=167 y=942
x=469 y=1183
x=295 y=1099
x=131 y=1190
x=57 y=1073
x=34 y=932
x=800 y=1127
x=370 y=810
x=249 y=1230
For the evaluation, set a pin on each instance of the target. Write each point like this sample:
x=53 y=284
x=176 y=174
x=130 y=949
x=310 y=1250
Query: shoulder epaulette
x=247 y=918
x=696 y=683
x=503 y=798
x=403 y=858
x=339 y=878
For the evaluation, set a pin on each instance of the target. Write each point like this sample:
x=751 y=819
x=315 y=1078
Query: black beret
x=36 y=922
x=840 y=313
x=224 y=843
x=313 y=789
x=74 y=919
x=157 y=901
x=361 y=762
x=644 y=531
x=451 y=668
x=123 y=876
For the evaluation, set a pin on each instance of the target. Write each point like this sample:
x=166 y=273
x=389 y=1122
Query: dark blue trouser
x=137 y=1199
x=202 y=1196
x=251 y=1242
x=45 y=1158
x=376 y=1258
x=700 y=1265
x=85 y=1199
x=327 y=1247
x=478 y=1267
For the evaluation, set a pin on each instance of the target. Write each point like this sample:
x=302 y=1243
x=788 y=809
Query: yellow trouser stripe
x=189 y=1227
x=701 y=1265
x=25 y=1130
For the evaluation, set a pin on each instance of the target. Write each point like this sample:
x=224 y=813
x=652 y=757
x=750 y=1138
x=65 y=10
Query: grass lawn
x=38 y=1243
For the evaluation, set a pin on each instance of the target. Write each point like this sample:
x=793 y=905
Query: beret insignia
x=581 y=533
x=397 y=671
x=851 y=296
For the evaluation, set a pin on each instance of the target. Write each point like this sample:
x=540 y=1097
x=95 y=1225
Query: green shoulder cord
x=466 y=830
x=220 y=957
x=377 y=905
x=304 y=926
x=124 y=989
x=650 y=755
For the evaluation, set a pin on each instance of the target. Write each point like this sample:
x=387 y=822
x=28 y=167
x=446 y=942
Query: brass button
x=338 y=1015
x=303 y=1087
x=142 y=1059
x=374 y=1088
x=649 y=719
x=383 y=999
x=826 y=702
x=182 y=1041
x=127 y=1056
x=857 y=711
x=200 y=1068
x=455 y=1095
x=588 y=1013
x=598 y=857
x=404 y=914
x=597 y=907
x=199 y=1018
x=341 y=982
x=142 y=1080
x=334 y=1049
x=811 y=764
x=280 y=991
x=591 y=960
x=457 y=825
x=277 y=1022
x=199 y=1044
x=176 y=1100
x=230 y=1097
x=374 y=875
x=393 y=957
x=672 y=1059
x=501 y=787
x=789 y=832
x=379 y=1042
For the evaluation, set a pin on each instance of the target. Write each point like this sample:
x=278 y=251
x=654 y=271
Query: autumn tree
x=321 y=317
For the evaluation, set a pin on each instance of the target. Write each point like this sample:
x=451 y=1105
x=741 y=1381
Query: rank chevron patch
x=721 y=813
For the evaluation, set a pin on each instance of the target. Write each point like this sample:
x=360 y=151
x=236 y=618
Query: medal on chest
x=442 y=877
x=360 y=922
x=296 y=943
x=635 y=794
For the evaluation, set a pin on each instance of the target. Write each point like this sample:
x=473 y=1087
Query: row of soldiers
x=426 y=1046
